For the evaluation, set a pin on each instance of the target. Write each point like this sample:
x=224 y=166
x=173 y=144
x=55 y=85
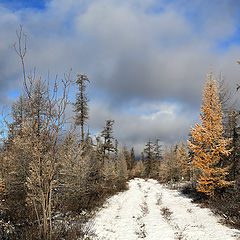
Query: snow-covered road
x=150 y=211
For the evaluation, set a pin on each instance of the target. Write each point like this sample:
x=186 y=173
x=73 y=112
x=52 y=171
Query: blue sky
x=224 y=45
x=194 y=15
x=18 y=4
x=147 y=59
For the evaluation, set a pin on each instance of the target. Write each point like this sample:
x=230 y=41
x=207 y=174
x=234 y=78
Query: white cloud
x=137 y=60
x=164 y=120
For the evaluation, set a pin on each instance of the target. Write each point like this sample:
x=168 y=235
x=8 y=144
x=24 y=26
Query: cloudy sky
x=147 y=59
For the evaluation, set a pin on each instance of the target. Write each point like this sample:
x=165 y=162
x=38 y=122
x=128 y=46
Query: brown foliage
x=208 y=143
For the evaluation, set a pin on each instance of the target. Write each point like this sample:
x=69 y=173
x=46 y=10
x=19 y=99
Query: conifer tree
x=142 y=157
x=148 y=150
x=208 y=142
x=127 y=157
x=81 y=104
x=232 y=131
x=107 y=135
x=116 y=147
x=133 y=158
x=157 y=150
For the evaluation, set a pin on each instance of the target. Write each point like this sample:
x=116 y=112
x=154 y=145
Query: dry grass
x=166 y=213
x=144 y=208
x=225 y=203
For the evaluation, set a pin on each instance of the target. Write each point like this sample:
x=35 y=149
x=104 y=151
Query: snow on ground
x=150 y=211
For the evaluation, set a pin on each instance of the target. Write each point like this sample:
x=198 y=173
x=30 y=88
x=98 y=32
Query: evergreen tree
x=127 y=157
x=232 y=131
x=133 y=158
x=116 y=147
x=157 y=148
x=142 y=157
x=81 y=105
x=107 y=135
x=148 y=150
x=209 y=144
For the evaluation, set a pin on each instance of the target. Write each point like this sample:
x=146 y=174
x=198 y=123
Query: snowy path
x=150 y=211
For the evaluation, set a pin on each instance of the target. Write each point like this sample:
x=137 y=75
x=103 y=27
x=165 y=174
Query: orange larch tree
x=208 y=143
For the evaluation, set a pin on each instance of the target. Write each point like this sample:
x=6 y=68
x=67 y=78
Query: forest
x=54 y=175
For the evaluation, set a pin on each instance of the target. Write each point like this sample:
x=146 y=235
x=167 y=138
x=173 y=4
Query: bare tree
x=41 y=129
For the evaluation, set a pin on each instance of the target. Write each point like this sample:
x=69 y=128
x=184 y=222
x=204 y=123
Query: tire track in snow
x=141 y=232
x=119 y=219
x=155 y=226
x=137 y=214
x=190 y=221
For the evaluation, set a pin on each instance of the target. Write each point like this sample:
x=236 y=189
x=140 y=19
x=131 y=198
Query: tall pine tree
x=148 y=160
x=81 y=105
x=208 y=143
x=107 y=135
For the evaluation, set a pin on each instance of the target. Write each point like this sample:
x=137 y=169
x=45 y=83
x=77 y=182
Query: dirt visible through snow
x=150 y=211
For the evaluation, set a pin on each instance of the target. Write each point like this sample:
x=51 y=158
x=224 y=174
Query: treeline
x=165 y=163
